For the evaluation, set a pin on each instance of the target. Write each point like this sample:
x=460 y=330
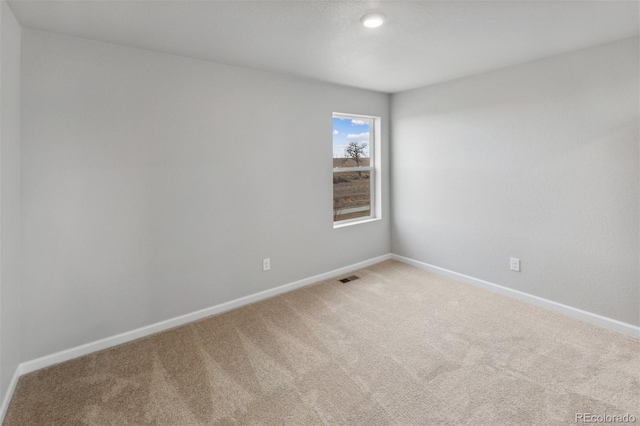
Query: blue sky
x=346 y=130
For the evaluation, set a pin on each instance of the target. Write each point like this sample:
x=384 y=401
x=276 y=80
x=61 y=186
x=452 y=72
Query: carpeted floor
x=399 y=346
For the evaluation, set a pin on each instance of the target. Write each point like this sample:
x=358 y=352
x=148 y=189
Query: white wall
x=538 y=161
x=153 y=186
x=10 y=33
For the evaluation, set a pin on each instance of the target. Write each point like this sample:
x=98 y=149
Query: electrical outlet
x=515 y=264
x=266 y=264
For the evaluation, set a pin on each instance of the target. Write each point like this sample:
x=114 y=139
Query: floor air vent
x=349 y=278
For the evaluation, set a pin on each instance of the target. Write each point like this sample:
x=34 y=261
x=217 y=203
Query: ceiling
x=422 y=43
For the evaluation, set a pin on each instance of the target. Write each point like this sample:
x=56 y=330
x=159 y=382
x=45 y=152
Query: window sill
x=356 y=222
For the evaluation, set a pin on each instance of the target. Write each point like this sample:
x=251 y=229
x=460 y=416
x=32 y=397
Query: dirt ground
x=350 y=189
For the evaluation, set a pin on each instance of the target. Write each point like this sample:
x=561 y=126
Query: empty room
x=319 y=212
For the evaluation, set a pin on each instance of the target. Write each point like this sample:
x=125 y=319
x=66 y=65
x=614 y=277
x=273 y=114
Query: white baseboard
x=46 y=361
x=596 y=319
x=7 y=396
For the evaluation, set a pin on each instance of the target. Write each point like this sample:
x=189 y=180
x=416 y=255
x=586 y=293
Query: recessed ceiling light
x=373 y=20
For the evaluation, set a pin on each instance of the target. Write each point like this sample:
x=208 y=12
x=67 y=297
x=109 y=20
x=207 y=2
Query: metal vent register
x=349 y=278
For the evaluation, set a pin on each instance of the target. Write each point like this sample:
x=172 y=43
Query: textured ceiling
x=422 y=43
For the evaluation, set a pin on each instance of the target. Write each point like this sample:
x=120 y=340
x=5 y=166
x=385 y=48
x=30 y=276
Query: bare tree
x=355 y=151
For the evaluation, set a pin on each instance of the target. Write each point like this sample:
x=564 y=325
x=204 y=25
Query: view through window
x=353 y=170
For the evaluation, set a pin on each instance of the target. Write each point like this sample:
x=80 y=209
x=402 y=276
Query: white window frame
x=375 y=200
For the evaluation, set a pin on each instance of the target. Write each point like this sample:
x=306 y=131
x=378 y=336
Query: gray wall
x=153 y=186
x=9 y=196
x=537 y=161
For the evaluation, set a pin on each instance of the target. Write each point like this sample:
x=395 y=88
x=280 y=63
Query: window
x=355 y=168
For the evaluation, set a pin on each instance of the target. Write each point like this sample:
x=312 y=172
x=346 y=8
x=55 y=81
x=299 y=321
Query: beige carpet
x=399 y=346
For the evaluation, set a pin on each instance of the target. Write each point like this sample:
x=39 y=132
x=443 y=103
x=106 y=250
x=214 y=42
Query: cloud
x=335 y=132
x=360 y=137
x=360 y=122
x=338 y=151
